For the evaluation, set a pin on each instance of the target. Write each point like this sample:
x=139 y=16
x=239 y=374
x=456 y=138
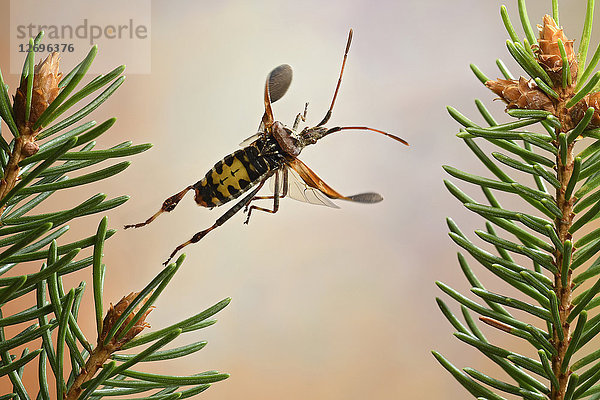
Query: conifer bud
x=114 y=313
x=522 y=94
x=45 y=89
x=578 y=110
x=548 y=51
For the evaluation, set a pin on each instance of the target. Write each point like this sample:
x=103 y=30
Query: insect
x=272 y=152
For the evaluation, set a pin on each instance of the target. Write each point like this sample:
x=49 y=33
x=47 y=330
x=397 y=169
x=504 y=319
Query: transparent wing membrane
x=298 y=190
x=312 y=180
x=252 y=138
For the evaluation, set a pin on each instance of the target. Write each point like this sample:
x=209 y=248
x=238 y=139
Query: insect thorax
x=238 y=172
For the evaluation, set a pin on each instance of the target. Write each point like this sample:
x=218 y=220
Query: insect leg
x=168 y=205
x=284 y=191
x=300 y=116
x=276 y=196
x=285 y=181
x=230 y=213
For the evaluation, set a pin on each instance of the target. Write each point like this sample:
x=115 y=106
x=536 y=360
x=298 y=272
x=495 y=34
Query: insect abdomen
x=231 y=177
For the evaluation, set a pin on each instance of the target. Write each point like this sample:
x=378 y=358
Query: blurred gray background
x=327 y=304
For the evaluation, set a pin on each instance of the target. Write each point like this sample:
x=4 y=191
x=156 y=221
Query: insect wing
x=298 y=190
x=312 y=180
x=252 y=139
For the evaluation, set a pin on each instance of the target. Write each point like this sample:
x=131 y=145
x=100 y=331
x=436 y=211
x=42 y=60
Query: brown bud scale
x=45 y=89
x=114 y=313
x=522 y=94
x=548 y=51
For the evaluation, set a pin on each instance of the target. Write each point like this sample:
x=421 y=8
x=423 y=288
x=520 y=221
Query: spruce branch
x=102 y=352
x=561 y=95
x=34 y=162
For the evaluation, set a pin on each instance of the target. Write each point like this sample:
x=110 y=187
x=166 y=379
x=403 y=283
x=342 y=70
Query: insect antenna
x=337 y=88
x=365 y=128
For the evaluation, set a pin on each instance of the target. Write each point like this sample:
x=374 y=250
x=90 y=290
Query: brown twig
x=525 y=94
x=97 y=358
x=102 y=351
x=563 y=293
x=45 y=89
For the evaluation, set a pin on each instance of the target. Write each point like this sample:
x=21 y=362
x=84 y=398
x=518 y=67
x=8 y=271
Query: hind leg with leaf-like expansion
x=230 y=213
x=168 y=205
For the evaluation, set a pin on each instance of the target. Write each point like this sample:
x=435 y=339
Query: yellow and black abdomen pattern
x=232 y=176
